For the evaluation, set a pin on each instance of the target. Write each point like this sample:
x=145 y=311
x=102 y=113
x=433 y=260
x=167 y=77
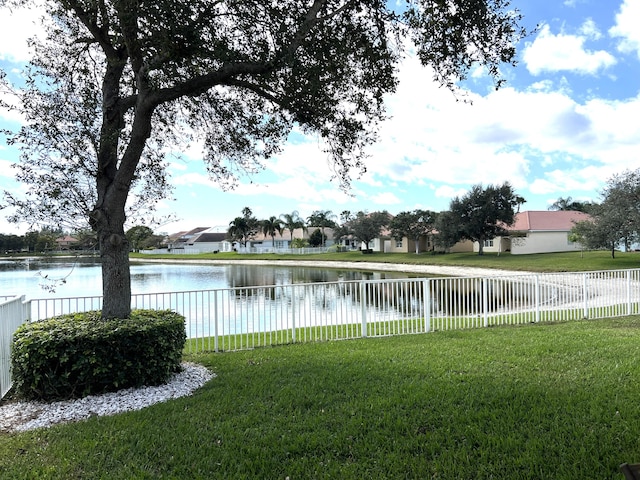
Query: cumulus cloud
x=385 y=199
x=5 y=169
x=563 y=181
x=17 y=26
x=447 y=191
x=626 y=27
x=553 y=53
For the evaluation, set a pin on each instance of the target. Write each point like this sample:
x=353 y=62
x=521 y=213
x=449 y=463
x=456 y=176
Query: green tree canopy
x=569 y=204
x=483 y=213
x=115 y=84
x=413 y=225
x=292 y=221
x=447 y=231
x=616 y=220
x=317 y=238
x=11 y=243
x=137 y=236
x=368 y=226
x=271 y=226
x=322 y=219
x=244 y=228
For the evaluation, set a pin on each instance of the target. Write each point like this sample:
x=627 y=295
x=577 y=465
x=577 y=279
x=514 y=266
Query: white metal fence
x=13 y=313
x=248 y=317
x=238 y=318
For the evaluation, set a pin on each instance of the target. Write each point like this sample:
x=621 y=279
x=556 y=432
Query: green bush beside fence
x=76 y=355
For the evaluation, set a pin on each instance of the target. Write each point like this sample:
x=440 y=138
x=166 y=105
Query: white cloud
x=626 y=27
x=553 y=53
x=507 y=135
x=386 y=199
x=16 y=27
x=447 y=191
x=191 y=179
x=590 y=30
x=6 y=170
x=564 y=181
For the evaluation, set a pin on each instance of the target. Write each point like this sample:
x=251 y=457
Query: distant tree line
x=47 y=240
x=34 y=241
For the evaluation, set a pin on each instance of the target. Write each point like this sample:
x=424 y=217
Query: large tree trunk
x=116 y=278
x=113 y=182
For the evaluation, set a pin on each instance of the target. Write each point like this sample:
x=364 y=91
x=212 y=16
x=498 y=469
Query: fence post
x=426 y=300
x=537 y=297
x=628 y=275
x=215 y=320
x=293 y=313
x=363 y=307
x=485 y=301
x=585 y=291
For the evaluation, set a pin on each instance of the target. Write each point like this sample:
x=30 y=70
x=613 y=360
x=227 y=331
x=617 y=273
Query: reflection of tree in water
x=404 y=297
x=250 y=276
x=466 y=296
x=343 y=292
x=267 y=275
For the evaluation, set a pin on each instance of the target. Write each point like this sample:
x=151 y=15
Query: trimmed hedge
x=80 y=354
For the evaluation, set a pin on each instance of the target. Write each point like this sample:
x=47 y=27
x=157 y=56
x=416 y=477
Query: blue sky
x=566 y=121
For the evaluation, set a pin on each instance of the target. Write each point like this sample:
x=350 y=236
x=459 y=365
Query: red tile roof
x=561 y=220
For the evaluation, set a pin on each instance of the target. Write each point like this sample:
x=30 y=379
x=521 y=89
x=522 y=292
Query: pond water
x=68 y=277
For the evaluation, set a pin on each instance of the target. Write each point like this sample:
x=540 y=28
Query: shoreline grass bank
x=547 y=262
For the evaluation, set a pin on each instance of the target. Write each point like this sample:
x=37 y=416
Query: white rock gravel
x=22 y=416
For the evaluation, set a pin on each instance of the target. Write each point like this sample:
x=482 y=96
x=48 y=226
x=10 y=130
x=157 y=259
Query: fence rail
x=248 y=317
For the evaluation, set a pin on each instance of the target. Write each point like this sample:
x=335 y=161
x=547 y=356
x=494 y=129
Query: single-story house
x=283 y=240
x=425 y=244
x=538 y=232
x=66 y=242
x=198 y=240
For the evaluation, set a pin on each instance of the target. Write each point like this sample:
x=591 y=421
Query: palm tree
x=271 y=226
x=237 y=231
x=568 y=203
x=241 y=229
x=292 y=221
x=322 y=219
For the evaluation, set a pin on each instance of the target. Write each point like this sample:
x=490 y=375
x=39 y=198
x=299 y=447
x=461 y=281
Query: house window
x=488 y=243
x=279 y=244
x=398 y=243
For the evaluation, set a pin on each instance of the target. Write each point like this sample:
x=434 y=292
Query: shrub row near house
x=76 y=355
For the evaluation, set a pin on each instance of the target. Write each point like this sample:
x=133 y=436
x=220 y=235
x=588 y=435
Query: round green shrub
x=76 y=355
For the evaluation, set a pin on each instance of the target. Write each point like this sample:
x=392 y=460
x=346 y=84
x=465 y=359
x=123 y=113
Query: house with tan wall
x=425 y=244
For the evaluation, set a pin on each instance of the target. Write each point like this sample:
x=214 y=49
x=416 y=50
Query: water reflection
x=247 y=299
x=82 y=277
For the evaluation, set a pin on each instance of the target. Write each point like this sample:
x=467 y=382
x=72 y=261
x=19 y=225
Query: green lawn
x=553 y=401
x=547 y=262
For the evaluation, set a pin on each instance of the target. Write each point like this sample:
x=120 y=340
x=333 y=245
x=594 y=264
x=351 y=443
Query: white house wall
x=543 y=242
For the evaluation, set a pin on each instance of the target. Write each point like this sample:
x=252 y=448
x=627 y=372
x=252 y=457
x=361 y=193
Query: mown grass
x=543 y=262
x=552 y=401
